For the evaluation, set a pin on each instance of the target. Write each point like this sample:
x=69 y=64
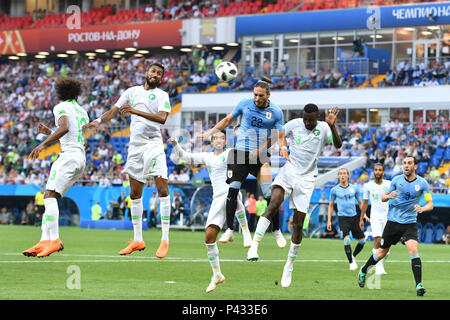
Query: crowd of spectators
x=27 y=97
x=390 y=144
x=422 y=75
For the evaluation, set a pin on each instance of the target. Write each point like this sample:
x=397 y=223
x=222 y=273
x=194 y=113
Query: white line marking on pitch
x=172 y=259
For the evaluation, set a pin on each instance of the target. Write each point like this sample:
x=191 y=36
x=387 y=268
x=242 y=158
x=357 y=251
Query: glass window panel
x=357 y=114
x=403 y=51
x=425 y=33
x=402 y=114
x=308 y=39
x=345 y=37
x=263 y=42
x=327 y=37
x=404 y=34
x=290 y=57
x=307 y=60
x=291 y=40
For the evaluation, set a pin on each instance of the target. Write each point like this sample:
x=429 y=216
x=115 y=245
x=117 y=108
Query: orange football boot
x=53 y=246
x=163 y=249
x=37 y=248
x=133 y=246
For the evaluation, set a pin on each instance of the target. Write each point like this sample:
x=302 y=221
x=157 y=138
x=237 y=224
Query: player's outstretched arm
x=160 y=117
x=387 y=196
x=103 y=118
x=222 y=124
x=63 y=128
x=187 y=156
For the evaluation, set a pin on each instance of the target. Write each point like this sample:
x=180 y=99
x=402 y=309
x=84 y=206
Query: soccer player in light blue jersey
x=261 y=122
x=346 y=195
x=405 y=193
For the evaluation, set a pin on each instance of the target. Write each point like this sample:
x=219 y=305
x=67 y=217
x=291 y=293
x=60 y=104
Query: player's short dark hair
x=222 y=131
x=411 y=156
x=379 y=164
x=159 y=65
x=310 y=108
x=68 y=88
x=264 y=83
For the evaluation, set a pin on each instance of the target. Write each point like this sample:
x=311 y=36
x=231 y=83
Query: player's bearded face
x=260 y=97
x=408 y=166
x=154 y=77
x=218 y=141
x=378 y=173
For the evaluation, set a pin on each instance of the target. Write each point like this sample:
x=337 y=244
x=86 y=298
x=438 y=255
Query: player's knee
x=135 y=194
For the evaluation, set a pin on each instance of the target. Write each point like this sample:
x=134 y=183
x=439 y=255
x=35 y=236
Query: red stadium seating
x=104 y=15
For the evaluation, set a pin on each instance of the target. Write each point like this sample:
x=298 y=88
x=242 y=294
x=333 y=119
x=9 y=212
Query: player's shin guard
x=293 y=252
x=51 y=216
x=371 y=262
x=348 y=249
x=359 y=247
x=213 y=256
x=261 y=227
x=231 y=206
x=136 y=217
x=416 y=265
x=242 y=218
x=164 y=208
x=44 y=227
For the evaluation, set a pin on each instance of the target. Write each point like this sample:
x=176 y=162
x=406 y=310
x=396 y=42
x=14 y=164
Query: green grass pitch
x=320 y=272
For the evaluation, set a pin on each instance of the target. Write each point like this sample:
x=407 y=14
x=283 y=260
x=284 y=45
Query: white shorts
x=296 y=185
x=65 y=171
x=145 y=161
x=377 y=226
x=217 y=214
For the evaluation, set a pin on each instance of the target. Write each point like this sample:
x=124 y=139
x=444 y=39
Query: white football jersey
x=374 y=192
x=78 y=117
x=216 y=164
x=306 y=146
x=149 y=101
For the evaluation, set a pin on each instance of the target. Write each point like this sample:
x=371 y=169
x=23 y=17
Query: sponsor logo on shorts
x=229 y=173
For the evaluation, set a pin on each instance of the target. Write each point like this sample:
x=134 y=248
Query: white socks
x=136 y=217
x=213 y=257
x=293 y=252
x=164 y=209
x=242 y=220
x=261 y=228
x=50 y=220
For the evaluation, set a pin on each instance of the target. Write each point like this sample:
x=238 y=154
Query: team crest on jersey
x=417 y=187
x=229 y=174
x=316 y=132
x=151 y=97
x=268 y=115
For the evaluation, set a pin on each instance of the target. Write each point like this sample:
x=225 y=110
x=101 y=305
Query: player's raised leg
x=264 y=221
x=213 y=257
x=137 y=243
x=296 y=240
x=162 y=186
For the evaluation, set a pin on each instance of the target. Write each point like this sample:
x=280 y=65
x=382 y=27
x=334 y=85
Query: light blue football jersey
x=346 y=199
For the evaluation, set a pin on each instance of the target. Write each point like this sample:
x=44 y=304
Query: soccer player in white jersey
x=69 y=119
x=149 y=107
x=216 y=163
x=374 y=190
x=307 y=137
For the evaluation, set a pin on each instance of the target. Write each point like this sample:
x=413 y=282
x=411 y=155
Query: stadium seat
x=420 y=228
x=422 y=167
x=428 y=233
x=439 y=230
x=447 y=154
